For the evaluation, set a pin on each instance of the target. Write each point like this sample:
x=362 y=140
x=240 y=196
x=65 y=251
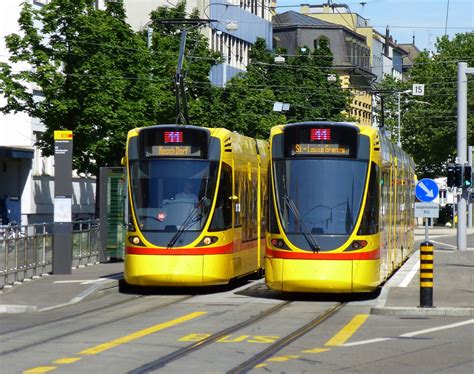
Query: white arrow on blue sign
x=426 y=190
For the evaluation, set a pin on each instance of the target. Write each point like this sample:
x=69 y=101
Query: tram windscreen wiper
x=192 y=218
x=306 y=233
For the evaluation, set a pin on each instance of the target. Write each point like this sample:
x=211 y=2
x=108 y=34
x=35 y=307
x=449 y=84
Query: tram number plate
x=430 y=210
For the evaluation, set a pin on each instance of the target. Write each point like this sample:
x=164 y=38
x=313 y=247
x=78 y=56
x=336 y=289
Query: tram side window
x=272 y=224
x=263 y=206
x=222 y=218
x=370 y=219
x=238 y=203
x=385 y=196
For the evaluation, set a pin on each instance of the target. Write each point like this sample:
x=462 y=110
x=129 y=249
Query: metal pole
x=426 y=230
x=462 y=150
x=103 y=214
x=399 y=142
x=470 y=150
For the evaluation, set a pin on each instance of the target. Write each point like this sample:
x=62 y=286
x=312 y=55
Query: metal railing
x=27 y=251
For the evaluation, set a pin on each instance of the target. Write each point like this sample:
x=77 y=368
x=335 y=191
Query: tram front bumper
x=321 y=276
x=177 y=271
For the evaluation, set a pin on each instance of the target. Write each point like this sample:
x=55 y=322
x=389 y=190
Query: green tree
x=302 y=81
x=167 y=24
x=305 y=85
x=387 y=91
x=92 y=70
x=429 y=122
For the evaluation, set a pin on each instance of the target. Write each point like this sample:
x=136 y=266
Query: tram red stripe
x=372 y=255
x=225 y=249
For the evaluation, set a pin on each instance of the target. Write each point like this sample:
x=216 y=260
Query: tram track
x=85 y=328
x=256 y=359
x=165 y=360
x=283 y=342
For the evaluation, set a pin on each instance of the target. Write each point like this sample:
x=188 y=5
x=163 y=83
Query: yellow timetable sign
x=320 y=149
x=63 y=135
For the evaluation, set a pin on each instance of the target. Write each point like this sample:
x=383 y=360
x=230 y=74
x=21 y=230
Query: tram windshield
x=327 y=193
x=171 y=195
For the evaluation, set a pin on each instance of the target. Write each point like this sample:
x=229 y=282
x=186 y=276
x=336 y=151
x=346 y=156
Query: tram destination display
x=316 y=140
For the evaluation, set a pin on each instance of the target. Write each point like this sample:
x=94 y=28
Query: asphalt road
x=242 y=328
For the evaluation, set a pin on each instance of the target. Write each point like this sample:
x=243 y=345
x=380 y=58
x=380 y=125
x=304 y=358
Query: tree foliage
x=429 y=122
x=99 y=78
x=92 y=72
x=196 y=66
x=302 y=81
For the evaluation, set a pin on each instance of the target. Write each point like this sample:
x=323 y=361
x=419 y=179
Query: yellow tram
x=340 y=210
x=196 y=202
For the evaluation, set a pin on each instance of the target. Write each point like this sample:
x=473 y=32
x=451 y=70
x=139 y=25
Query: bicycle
x=12 y=231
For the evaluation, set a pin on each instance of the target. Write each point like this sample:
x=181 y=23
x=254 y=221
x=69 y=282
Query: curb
x=418 y=311
x=14 y=309
x=90 y=293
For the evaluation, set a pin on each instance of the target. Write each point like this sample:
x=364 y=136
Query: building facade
x=238 y=25
x=386 y=56
x=351 y=55
x=26 y=177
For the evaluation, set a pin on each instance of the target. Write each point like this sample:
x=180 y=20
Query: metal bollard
x=426 y=274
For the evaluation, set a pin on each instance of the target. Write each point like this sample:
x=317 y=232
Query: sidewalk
x=54 y=291
x=441 y=230
x=453 y=284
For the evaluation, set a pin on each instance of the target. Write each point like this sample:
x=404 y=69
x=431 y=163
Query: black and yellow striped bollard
x=426 y=274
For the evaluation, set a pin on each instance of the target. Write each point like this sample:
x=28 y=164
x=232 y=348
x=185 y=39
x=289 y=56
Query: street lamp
x=399 y=141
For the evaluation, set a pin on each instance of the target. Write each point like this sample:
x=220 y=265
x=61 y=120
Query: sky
x=424 y=18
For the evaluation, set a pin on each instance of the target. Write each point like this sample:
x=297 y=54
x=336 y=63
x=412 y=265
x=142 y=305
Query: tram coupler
x=426 y=274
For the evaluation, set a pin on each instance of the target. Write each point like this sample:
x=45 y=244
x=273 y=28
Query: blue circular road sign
x=426 y=190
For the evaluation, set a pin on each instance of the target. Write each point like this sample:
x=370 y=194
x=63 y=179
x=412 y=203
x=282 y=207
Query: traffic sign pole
x=426 y=191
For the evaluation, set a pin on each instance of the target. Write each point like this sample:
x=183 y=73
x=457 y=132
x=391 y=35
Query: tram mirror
x=122 y=161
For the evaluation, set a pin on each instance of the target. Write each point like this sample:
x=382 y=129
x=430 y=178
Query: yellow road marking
x=194 y=337
x=40 y=369
x=139 y=334
x=283 y=358
x=347 y=331
x=226 y=339
x=317 y=350
x=260 y=365
x=66 y=360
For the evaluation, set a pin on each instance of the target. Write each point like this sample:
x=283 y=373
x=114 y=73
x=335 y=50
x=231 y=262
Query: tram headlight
x=135 y=240
x=208 y=240
x=358 y=244
x=279 y=243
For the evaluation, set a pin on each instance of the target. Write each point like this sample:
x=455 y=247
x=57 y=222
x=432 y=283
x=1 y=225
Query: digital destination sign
x=173 y=137
x=320 y=134
x=173 y=151
x=167 y=141
x=302 y=149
